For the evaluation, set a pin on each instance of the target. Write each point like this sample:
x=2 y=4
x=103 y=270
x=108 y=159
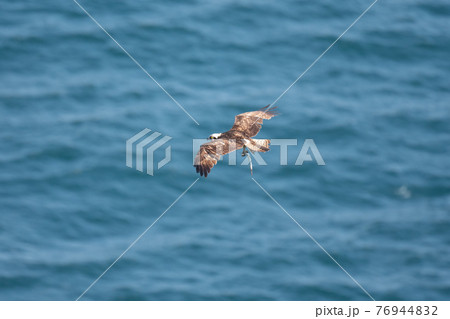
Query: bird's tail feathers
x=258 y=145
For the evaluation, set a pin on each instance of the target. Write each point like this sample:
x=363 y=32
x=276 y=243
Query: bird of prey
x=246 y=125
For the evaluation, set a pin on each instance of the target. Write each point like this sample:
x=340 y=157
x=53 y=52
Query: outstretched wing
x=210 y=153
x=250 y=122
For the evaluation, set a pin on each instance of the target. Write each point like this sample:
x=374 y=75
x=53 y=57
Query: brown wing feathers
x=210 y=153
x=250 y=122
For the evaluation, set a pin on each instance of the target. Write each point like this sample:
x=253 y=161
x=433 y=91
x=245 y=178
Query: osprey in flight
x=246 y=125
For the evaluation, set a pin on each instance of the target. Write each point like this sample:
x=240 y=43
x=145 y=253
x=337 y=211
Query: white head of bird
x=214 y=136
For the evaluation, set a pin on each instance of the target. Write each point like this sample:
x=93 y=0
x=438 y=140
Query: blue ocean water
x=376 y=105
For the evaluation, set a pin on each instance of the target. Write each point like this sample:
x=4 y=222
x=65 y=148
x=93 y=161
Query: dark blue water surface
x=376 y=105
